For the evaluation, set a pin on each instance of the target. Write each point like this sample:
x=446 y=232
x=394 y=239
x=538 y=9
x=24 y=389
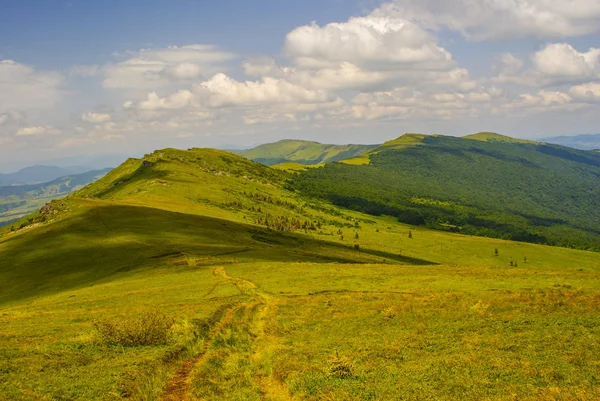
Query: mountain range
x=19 y=200
x=38 y=174
x=584 y=142
x=416 y=269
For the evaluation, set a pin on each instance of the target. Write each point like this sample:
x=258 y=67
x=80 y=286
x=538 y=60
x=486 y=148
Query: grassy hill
x=494 y=137
x=482 y=185
x=197 y=275
x=302 y=152
x=17 y=201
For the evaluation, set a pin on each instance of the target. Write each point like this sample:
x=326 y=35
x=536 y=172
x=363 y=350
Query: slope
x=197 y=275
x=302 y=152
x=523 y=191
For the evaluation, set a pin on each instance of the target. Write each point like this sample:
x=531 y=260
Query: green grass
x=281 y=312
x=494 y=137
x=522 y=191
x=303 y=152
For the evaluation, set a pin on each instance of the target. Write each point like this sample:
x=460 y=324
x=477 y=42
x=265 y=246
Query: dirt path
x=254 y=317
x=177 y=388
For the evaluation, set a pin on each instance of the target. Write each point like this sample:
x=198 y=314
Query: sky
x=88 y=79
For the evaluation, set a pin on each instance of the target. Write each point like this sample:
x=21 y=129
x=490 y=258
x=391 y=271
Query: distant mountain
x=584 y=142
x=38 y=174
x=484 y=184
x=302 y=152
x=19 y=200
x=494 y=137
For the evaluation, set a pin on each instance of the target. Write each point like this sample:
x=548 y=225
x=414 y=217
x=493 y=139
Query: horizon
x=108 y=160
x=90 y=80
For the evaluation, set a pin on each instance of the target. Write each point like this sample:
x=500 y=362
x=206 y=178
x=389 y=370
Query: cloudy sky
x=88 y=78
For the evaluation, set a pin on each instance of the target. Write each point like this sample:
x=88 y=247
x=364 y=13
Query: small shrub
x=340 y=367
x=151 y=328
x=389 y=312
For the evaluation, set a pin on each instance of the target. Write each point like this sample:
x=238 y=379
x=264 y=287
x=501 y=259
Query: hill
x=19 y=200
x=198 y=275
x=494 y=137
x=302 y=152
x=490 y=186
x=584 y=142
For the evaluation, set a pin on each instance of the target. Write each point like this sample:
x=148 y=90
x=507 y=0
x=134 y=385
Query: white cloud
x=366 y=41
x=586 y=92
x=37 y=130
x=408 y=103
x=95 y=118
x=500 y=19
x=555 y=64
x=223 y=91
x=183 y=71
x=179 y=100
x=561 y=60
x=22 y=88
x=155 y=68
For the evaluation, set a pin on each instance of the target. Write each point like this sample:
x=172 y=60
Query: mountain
x=584 y=142
x=302 y=152
x=38 y=174
x=478 y=185
x=19 y=200
x=494 y=137
x=202 y=275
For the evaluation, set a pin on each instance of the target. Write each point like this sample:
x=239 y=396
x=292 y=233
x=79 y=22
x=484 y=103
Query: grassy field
x=313 y=302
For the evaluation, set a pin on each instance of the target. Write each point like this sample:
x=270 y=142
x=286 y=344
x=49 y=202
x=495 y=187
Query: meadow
x=271 y=295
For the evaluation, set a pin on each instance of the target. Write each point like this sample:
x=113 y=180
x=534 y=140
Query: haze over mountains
x=38 y=174
x=17 y=201
x=585 y=142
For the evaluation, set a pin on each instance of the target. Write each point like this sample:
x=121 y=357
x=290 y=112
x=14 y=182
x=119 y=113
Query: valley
x=201 y=275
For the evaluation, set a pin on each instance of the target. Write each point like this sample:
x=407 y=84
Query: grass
x=303 y=152
x=244 y=311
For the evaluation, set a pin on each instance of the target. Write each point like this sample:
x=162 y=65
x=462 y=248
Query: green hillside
x=493 y=137
x=302 y=152
x=17 y=201
x=196 y=275
x=523 y=191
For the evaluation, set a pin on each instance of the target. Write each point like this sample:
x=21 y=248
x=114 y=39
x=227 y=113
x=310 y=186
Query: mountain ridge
x=302 y=152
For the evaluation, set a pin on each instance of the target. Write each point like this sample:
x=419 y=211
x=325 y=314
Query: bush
x=340 y=367
x=151 y=328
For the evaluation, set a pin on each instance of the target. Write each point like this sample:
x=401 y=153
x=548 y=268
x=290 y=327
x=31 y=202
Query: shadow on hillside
x=92 y=246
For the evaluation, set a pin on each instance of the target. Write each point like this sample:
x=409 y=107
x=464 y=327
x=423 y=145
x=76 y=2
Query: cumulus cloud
x=222 y=91
x=380 y=42
x=37 y=130
x=586 y=92
x=500 y=19
x=555 y=64
x=561 y=60
x=406 y=102
x=154 y=102
x=155 y=68
x=22 y=88
x=95 y=118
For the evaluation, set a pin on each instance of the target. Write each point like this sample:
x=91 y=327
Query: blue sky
x=84 y=79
